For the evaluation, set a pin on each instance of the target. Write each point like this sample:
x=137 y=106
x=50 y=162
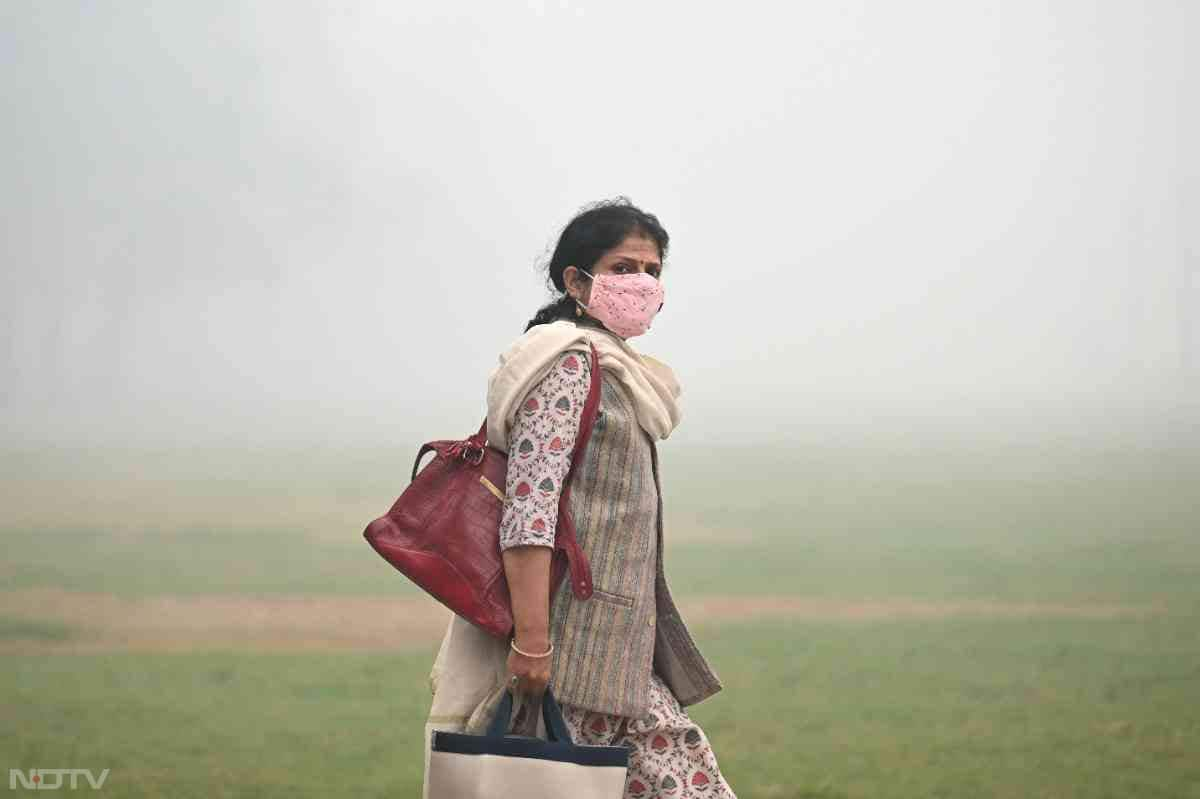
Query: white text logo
x=51 y=779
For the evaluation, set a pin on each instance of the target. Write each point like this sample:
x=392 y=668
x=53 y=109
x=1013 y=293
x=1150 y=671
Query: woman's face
x=636 y=253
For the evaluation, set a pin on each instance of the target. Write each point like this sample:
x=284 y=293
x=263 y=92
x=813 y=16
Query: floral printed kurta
x=670 y=757
x=539 y=454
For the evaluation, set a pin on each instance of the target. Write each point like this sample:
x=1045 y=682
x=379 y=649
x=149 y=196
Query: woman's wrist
x=536 y=640
x=529 y=653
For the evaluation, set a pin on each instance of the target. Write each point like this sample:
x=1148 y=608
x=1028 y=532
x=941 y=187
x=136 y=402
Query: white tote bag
x=468 y=685
x=498 y=765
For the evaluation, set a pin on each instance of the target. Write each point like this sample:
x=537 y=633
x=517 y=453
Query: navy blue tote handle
x=556 y=728
x=559 y=747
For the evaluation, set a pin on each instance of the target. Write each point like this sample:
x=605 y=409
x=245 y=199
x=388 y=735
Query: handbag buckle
x=468 y=449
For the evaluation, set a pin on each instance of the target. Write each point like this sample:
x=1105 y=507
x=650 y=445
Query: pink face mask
x=626 y=304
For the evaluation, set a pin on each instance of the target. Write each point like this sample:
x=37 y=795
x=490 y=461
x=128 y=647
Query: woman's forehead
x=636 y=248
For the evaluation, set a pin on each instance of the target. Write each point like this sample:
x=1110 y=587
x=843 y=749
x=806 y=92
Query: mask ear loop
x=577 y=302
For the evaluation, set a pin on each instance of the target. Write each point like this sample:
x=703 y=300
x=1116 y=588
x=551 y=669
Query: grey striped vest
x=606 y=646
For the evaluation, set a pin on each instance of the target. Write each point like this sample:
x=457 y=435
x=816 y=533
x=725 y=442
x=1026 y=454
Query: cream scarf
x=650 y=382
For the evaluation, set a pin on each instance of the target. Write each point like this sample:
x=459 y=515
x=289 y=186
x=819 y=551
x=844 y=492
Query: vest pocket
x=608 y=596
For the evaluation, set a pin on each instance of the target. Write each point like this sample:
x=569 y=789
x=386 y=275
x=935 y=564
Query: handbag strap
x=417 y=461
x=564 y=536
x=463 y=448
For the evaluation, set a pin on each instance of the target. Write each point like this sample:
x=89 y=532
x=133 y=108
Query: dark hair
x=596 y=229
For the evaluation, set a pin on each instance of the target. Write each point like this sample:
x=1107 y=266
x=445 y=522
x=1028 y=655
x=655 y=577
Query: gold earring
x=578 y=311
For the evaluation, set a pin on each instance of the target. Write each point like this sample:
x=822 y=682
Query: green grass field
x=1026 y=704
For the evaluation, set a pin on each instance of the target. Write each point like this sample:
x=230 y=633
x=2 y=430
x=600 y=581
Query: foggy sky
x=279 y=222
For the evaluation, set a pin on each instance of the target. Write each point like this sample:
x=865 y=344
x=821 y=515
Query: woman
x=621 y=663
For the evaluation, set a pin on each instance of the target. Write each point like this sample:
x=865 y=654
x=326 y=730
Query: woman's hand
x=533 y=674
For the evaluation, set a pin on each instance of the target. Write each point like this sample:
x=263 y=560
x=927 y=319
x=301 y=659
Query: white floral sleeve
x=539 y=454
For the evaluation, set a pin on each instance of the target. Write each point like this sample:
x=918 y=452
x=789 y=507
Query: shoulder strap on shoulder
x=576 y=561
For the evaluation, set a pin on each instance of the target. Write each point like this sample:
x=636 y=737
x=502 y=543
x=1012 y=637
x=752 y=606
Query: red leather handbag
x=443 y=532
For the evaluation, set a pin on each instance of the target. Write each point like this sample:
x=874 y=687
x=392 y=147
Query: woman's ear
x=576 y=283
